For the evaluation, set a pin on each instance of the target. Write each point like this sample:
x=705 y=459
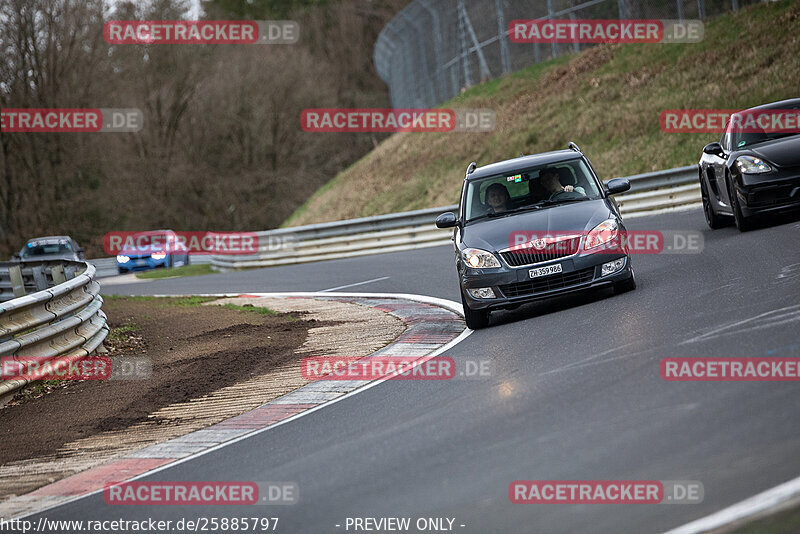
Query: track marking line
x=356 y=284
x=743 y=509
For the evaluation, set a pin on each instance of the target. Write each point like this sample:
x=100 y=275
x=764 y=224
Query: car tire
x=713 y=220
x=629 y=284
x=475 y=319
x=742 y=223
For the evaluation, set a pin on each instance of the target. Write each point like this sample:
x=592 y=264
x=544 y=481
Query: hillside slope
x=607 y=99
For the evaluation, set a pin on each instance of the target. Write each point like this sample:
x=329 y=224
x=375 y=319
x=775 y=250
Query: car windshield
x=43 y=249
x=758 y=126
x=529 y=189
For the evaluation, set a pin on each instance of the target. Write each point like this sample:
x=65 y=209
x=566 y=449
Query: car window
x=42 y=249
x=748 y=131
x=525 y=187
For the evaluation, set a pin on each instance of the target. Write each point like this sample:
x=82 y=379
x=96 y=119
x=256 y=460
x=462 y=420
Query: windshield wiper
x=550 y=202
x=517 y=210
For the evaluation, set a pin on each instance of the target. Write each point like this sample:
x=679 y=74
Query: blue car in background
x=173 y=255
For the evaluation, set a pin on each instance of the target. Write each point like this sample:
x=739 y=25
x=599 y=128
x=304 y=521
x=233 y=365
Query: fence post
x=462 y=33
x=701 y=9
x=553 y=45
x=502 y=37
x=679 y=4
x=437 y=51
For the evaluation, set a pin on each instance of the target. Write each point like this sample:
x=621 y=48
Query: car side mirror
x=16 y=256
x=618 y=185
x=446 y=220
x=715 y=149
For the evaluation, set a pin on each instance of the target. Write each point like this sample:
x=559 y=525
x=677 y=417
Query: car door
x=717 y=168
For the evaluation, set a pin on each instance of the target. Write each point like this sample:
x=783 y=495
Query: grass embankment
x=185 y=270
x=607 y=99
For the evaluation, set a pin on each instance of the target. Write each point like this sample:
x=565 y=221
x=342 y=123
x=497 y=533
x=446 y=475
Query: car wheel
x=475 y=319
x=629 y=284
x=742 y=223
x=713 y=220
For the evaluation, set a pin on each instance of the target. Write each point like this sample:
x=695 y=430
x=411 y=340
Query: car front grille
x=551 y=251
x=773 y=195
x=548 y=283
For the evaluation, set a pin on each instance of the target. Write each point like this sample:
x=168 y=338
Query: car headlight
x=480 y=259
x=158 y=255
x=601 y=234
x=123 y=259
x=752 y=165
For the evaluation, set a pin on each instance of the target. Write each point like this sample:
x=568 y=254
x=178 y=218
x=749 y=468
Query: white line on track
x=448 y=304
x=742 y=510
x=356 y=284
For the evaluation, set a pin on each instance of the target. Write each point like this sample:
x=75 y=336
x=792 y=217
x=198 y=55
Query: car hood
x=497 y=234
x=783 y=152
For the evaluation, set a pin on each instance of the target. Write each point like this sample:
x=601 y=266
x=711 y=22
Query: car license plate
x=544 y=271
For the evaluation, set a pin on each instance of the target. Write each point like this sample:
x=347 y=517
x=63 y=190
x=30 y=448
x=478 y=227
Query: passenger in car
x=498 y=198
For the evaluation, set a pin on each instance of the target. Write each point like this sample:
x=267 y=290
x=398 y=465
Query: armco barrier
x=60 y=320
x=651 y=192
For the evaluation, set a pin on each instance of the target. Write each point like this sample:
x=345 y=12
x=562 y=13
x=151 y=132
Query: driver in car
x=552 y=184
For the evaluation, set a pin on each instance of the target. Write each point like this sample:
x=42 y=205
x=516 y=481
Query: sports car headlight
x=158 y=255
x=601 y=234
x=752 y=165
x=480 y=259
x=123 y=259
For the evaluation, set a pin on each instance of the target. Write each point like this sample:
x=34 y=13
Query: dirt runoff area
x=209 y=363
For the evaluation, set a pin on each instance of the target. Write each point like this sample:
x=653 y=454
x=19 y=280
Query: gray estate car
x=535 y=227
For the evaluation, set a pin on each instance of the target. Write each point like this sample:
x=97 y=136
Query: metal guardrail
x=650 y=192
x=60 y=320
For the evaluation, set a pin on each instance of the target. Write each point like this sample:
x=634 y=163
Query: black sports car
x=755 y=168
x=534 y=227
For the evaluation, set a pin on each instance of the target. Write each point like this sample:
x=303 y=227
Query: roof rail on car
x=573 y=146
x=471 y=168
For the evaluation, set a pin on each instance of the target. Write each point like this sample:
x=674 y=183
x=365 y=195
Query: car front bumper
x=513 y=286
x=141 y=264
x=771 y=193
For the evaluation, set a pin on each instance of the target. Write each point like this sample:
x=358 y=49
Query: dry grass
x=607 y=99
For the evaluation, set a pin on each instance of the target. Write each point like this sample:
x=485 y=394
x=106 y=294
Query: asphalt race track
x=575 y=395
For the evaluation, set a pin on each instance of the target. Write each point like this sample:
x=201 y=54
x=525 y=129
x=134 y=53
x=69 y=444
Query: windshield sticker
x=517 y=178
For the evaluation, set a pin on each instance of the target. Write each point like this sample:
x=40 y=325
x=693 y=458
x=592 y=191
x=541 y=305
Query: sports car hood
x=498 y=233
x=783 y=152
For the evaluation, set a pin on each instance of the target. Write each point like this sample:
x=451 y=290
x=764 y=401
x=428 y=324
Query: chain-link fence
x=434 y=48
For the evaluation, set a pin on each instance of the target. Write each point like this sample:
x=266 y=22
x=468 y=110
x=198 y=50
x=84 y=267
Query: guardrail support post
x=17 y=284
x=57 y=272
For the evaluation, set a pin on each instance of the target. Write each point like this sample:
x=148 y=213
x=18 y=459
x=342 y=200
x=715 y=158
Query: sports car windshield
x=532 y=188
x=758 y=126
